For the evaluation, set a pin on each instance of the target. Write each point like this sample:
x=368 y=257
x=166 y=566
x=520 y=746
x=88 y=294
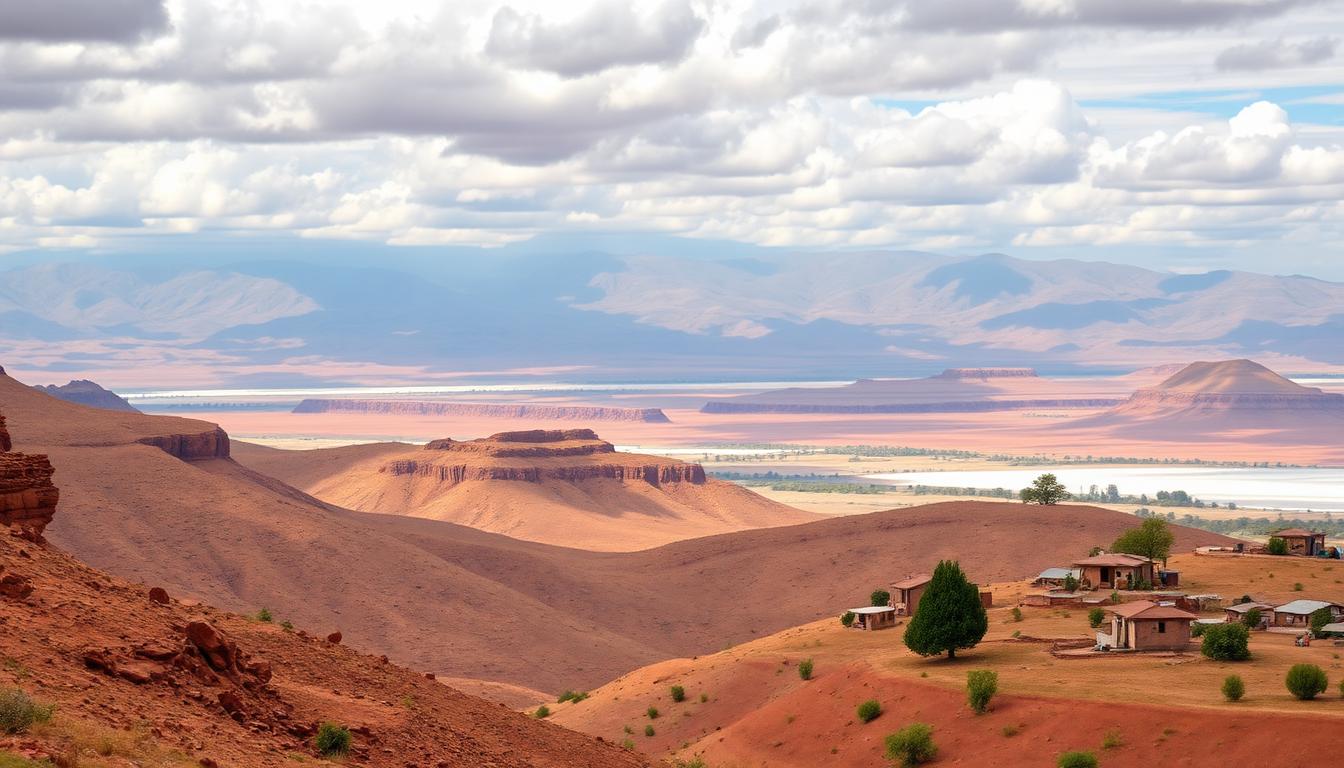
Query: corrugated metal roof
x=1060 y=573
x=1244 y=607
x=871 y=609
x=1303 y=606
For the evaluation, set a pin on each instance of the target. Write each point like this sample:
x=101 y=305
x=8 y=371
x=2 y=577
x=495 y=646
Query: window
x=1161 y=627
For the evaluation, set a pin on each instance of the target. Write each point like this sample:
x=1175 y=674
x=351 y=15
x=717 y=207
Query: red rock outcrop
x=213 y=444
x=27 y=496
x=534 y=411
x=452 y=474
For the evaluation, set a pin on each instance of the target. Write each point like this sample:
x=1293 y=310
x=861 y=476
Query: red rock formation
x=537 y=411
x=27 y=496
x=535 y=444
x=205 y=445
x=452 y=474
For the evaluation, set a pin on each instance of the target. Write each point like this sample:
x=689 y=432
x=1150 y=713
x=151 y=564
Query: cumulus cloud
x=1276 y=54
x=118 y=21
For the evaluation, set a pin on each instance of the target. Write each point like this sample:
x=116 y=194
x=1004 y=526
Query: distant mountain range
x=779 y=315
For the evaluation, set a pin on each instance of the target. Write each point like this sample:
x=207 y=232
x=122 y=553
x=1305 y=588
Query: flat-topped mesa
x=212 y=444
x=27 y=496
x=533 y=411
x=571 y=455
x=987 y=373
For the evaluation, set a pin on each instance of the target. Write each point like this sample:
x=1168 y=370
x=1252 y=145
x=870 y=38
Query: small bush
x=981 y=685
x=18 y=712
x=566 y=696
x=1112 y=739
x=879 y=597
x=912 y=745
x=652 y=712
x=1077 y=760
x=805 y=669
x=287 y=625
x=1095 y=617
x=542 y=711
x=648 y=730
x=1341 y=688
x=1233 y=688
x=1017 y=614
x=704 y=697
x=1071 y=583
x=1115 y=596
x=869 y=710
x=1297 y=586
x=1305 y=681
x=1226 y=642
x=333 y=740
x=847 y=618
x=678 y=694
x=628 y=744
x=1197 y=629
x=1276 y=546
x=1009 y=731
x=264 y=615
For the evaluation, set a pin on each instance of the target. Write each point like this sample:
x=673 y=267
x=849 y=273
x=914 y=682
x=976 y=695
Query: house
x=1298 y=613
x=1301 y=541
x=1054 y=577
x=1333 y=629
x=1116 y=571
x=1147 y=626
x=905 y=594
x=1236 y=613
x=874 y=617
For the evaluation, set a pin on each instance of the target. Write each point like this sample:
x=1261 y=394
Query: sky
x=1177 y=134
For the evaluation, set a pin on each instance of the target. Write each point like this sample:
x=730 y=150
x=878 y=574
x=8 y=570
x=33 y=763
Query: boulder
x=158 y=595
x=335 y=637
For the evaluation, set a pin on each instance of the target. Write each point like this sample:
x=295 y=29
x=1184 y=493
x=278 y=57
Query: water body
x=1287 y=489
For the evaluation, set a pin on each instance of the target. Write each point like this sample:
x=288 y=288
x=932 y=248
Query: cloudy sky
x=1183 y=134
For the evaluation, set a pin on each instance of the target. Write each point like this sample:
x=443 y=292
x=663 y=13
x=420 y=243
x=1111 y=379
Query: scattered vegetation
x=628 y=744
x=18 y=712
x=1046 y=490
x=879 y=597
x=1233 y=688
x=648 y=730
x=1306 y=681
x=287 y=625
x=1276 y=546
x=1016 y=613
x=912 y=745
x=1197 y=629
x=1009 y=731
x=1095 y=616
x=981 y=685
x=652 y=713
x=542 y=712
x=264 y=615
x=678 y=693
x=574 y=696
x=869 y=710
x=805 y=669
x=1251 y=619
x=950 y=615
x=1319 y=618
x=1071 y=583
x=847 y=618
x=1077 y=760
x=1152 y=539
x=333 y=740
x=1226 y=642
x=704 y=697
x=1112 y=739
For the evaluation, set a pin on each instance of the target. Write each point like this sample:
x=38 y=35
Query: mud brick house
x=874 y=617
x=1298 y=613
x=1148 y=626
x=1115 y=571
x=1302 y=542
x=1238 y=612
x=905 y=594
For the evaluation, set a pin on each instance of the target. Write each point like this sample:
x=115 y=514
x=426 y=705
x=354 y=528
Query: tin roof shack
x=1236 y=613
x=1302 y=542
x=1054 y=577
x=872 y=617
x=905 y=594
x=1116 y=571
x=1148 y=626
x=1298 y=613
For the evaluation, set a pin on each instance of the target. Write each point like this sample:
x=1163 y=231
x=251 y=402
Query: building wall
x=1092 y=575
x=1145 y=637
x=910 y=597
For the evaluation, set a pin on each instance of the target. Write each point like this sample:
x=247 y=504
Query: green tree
x=1319 y=618
x=1251 y=619
x=1276 y=546
x=950 y=615
x=879 y=597
x=1095 y=616
x=1152 y=539
x=1305 y=681
x=847 y=618
x=1226 y=642
x=1045 y=490
x=912 y=745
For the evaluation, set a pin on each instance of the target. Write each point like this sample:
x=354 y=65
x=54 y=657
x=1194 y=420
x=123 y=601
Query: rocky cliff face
x=452 y=474
x=213 y=444
x=531 y=444
x=536 y=412
x=27 y=496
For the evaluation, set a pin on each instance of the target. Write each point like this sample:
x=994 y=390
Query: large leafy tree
x=1046 y=489
x=950 y=615
x=1152 y=539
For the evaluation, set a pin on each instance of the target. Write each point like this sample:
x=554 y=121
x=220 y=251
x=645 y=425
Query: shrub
x=1251 y=619
x=1077 y=760
x=566 y=696
x=1197 y=629
x=1233 y=688
x=912 y=745
x=652 y=712
x=869 y=710
x=1017 y=614
x=648 y=730
x=1009 y=731
x=628 y=744
x=1095 y=616
x=287 y=625
x=805 y=669
x=704 y=697
x=879 y=597
x=333 y=740
x=1112 y=739
x=678 y=694
x=264 y=615
x=950 y=615
x=847 y=618
x=18 y=712
x=1319 y=618
x=1297 y=586
x=1305 y=681
x=1341 y=688
x=1276 y=546
x=542 y=711
x=981 y=685
x=1071 y=583
x=1115 y=596
x=1226 y=642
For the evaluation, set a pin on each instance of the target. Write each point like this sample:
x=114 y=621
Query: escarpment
x=27 y=495
x=452 y=474
x=534 y=411
x=212 y=444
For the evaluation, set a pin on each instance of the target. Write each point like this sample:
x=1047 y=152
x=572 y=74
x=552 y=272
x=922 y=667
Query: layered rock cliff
x=536 y=412
x=213 y=444
x=452 y=474
x=27 y=496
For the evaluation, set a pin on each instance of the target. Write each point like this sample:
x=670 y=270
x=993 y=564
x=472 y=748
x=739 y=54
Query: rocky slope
x=27 y=496
x=532 y=411
x=89 y=393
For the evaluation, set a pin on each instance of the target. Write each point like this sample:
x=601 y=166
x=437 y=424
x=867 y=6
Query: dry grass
x=83 y=744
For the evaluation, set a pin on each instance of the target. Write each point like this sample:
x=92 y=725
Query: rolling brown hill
x=466 y=603
x=567 y=488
